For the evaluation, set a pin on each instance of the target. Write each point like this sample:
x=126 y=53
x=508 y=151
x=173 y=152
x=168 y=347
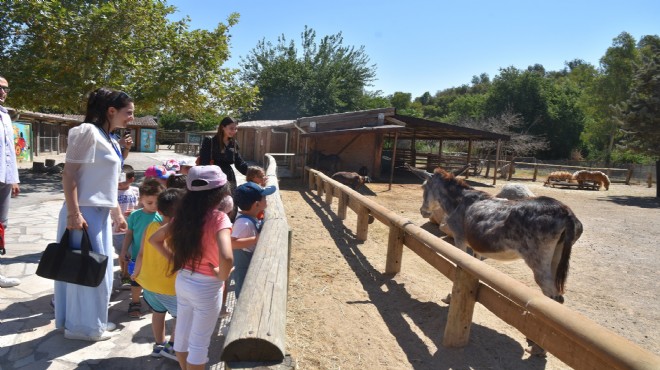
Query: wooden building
x=50 y=131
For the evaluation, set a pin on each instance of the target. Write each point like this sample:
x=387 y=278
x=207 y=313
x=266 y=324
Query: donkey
x=540 y=230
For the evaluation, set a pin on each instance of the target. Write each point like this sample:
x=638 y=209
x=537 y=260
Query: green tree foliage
x=640 y=115
x=609 y=89
x=54 y=52
x=321 y=78
x=549 y=109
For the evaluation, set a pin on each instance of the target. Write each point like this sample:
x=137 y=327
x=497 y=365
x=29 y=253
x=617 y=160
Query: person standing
x=90 y=178
x=8 y=169
x=222 y=150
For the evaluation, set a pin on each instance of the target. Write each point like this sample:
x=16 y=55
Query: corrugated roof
x=424 y=129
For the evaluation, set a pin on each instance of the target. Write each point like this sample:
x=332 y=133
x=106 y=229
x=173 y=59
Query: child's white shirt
x=244 y=228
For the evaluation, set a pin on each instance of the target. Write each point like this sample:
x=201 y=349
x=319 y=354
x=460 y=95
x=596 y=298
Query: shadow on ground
x=429 y=317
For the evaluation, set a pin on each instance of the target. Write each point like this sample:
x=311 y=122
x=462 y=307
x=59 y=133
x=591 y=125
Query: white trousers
x=199 y=298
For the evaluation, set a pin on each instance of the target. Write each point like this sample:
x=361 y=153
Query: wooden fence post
x=319 y=186
x=536 y=172
x=459 y=318
x=394 y=250
x=311 y=179
x=329 y=192
x=343 y=205
x=362 y=223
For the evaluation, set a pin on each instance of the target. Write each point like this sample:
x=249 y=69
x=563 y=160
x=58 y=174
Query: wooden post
x=319 y=186
x=343 y=205
x=362 y=223
x=536 y=172
x=510 y=175
x=394 y=250
x=629 y=176
x=459 y=318
x=497 y=160
x=469 y=157
x=329 y=190
x=396 y=136
x=311 y=178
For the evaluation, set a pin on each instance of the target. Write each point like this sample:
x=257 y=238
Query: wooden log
x=258 y=327
x=342 y=206
x=461 y=309
x=329 y=192
x=319 y=186
x=394 y=250
x=362 y=224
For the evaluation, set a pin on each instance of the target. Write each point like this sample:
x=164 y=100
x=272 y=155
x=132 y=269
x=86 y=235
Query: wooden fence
x=571 y=337
x=258 y=326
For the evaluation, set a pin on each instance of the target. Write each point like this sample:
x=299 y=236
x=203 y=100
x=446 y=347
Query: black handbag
x=76 y=266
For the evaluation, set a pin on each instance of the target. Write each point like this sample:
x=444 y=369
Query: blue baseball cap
x=247 y=193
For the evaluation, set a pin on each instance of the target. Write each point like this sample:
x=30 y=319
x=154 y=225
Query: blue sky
x=431 y=45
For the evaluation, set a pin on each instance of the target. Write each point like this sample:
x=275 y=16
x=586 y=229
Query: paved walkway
x=28 y=338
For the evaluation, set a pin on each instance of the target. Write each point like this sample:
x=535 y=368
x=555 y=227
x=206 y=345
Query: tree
x=610 y=88
x=640 y=115
x=322 y=78
x=55 y=52
x=548 y=108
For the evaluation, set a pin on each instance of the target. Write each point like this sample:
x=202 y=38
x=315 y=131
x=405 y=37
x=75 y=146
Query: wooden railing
x=258 y=326
x=571 y=337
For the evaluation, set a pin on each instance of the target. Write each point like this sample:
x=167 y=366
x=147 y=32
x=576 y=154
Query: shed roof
x=424 y=129
x=75 y=119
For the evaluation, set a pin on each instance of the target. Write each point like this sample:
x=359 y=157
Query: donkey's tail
x=571 y=235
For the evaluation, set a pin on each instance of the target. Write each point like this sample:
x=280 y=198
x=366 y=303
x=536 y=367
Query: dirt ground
x=343 y=313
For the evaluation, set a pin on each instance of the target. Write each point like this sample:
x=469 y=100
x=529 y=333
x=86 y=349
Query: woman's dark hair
x=100 y=100
x=188 y=225
x=224 y=123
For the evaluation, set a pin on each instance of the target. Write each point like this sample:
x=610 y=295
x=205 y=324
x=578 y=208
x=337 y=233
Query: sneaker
x=6 y=282
x=157 y=351
x=110 y=326
x=126 y=283
x=168 y=352
x=78 y=336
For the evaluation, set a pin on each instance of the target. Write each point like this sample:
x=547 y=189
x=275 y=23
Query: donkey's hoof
x=559 y=298
x=447 y=299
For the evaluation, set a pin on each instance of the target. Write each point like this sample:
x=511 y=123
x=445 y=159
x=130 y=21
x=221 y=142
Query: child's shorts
x=160 y=303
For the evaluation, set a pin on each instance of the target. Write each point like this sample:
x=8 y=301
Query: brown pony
x=559 y=176
x=596 y=177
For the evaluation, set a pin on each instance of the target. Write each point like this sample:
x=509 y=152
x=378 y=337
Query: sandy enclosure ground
x=343 y=313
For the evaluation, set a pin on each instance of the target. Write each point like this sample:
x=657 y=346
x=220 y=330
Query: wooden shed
x=50 y=131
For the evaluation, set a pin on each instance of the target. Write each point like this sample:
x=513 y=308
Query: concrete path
x=28 y=338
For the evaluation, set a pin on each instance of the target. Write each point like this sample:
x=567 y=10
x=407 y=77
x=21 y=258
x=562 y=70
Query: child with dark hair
x=251 y=199
x=199 y=244
x=152 y=272
x=137 y=223
x=128 y=197
x=177 y=181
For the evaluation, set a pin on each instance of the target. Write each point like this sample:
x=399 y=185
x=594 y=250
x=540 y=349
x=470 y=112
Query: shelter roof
x=75 y=119
x=423 y=129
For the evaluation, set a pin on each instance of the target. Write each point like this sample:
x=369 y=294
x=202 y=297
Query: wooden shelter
x=357 y=138
x=50 y=131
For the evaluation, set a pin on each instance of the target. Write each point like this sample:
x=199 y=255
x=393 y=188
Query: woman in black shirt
x=222 y=150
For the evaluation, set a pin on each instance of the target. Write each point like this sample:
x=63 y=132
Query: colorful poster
x=23 y=141
x=148 y=140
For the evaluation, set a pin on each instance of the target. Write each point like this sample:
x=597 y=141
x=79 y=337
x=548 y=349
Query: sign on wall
x=23 y=141
x=148 y=140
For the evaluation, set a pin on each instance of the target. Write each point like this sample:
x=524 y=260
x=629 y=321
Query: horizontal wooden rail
x=258 y=326
x=571 y=337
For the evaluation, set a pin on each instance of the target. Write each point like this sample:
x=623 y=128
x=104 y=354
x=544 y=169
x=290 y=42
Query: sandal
x=135 y=309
